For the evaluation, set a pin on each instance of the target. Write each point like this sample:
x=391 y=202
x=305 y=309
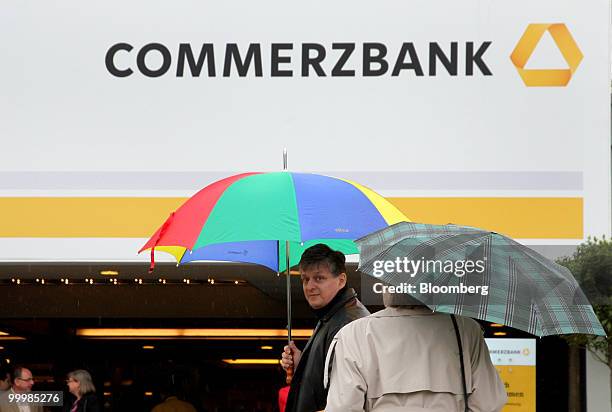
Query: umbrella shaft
x=288 y=292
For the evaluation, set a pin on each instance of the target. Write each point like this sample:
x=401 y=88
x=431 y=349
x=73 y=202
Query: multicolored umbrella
x=269 y=219
x=524 y=289
x=249 y=217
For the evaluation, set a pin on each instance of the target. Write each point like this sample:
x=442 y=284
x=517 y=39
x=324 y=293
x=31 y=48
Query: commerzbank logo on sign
x=341 y=59
x=546 y=77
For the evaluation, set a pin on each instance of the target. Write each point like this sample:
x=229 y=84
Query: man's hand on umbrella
x=291 y=356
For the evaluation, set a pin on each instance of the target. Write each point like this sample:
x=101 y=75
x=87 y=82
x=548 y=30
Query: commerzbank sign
x=344 y=59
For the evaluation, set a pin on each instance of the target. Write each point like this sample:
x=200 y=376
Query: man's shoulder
x=351 y=312
x=354 y=309
x=4 y=395
x=356 y=326
x=4 y=404
x=361 y=325
x=471 y=328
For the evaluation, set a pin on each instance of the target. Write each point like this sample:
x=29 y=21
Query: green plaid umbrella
x=484 y=275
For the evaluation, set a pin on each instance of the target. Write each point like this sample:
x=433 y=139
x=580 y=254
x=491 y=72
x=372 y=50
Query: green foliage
x=591 y=265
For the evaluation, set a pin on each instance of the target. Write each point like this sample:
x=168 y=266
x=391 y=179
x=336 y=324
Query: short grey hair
x=18 y=372
x=84 y=379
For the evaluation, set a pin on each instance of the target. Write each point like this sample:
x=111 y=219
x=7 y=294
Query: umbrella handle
x=289 y=377
x=289 y=370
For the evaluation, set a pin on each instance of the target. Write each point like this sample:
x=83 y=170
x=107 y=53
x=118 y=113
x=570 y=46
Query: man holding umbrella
x=323 y=274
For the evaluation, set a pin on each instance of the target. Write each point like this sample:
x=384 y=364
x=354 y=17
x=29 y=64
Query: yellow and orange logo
x=546 y=77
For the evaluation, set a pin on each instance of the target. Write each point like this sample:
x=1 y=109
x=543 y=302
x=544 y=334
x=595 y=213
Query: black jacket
x=307 y=393
x=87 y=403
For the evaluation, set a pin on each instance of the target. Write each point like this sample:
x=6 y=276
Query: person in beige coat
x=22 y=382
x=405 y=358
x=5 y=379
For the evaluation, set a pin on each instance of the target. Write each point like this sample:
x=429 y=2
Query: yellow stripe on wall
x=524 y=218
x=517 y=217
x=84 y=216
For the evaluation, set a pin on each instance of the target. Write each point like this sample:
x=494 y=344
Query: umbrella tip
x=284 y=158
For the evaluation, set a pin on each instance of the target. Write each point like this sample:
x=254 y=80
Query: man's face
x=23 y=383
x=320 y=285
